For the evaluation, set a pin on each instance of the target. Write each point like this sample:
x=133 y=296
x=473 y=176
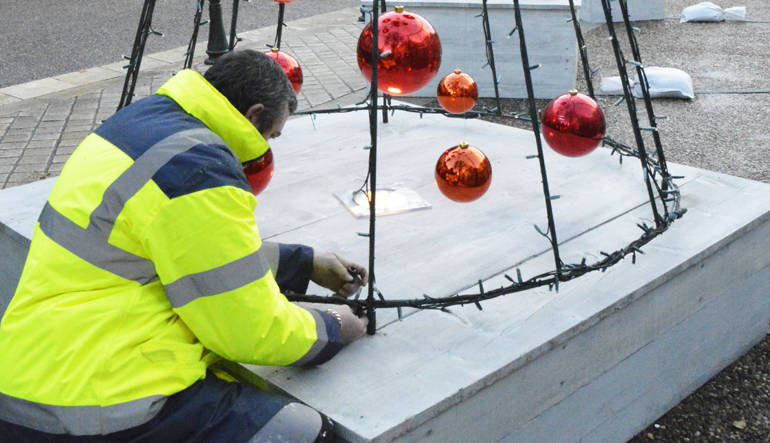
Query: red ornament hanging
x=290 y=66
x=463 y=173
x=284 y=1
x=412 y=48
x=259 y=172
x=573 y=124
x=457 y=92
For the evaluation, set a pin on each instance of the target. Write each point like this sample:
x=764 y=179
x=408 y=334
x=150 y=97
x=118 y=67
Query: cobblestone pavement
x=42 y=122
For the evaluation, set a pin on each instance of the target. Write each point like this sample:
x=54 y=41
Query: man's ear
x=252 y=114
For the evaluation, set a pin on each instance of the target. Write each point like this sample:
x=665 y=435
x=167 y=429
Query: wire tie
x=367 y=148
x=537 y=228
x=385 y=54
x=619 y=101
x=510 y=279
x=620 y=159
x=555 y=197
x=398 y=309
x=610 y=38
x=510 y=34
x=569 y=20
x=518 y=275
x=676 y=177
x=634 y=62
x=526 y=119
x=484 y=65
x=491 y=42
x=556 y=284
x=633 y=258
x=636 y=29
x=596 y=69
x=530 y=157
x=128 y=66
x=126 y=57
x=648 y=128
x=662 y=117
x=363 y=234
x=479 y=15
x=637 y=250
x=533 y=67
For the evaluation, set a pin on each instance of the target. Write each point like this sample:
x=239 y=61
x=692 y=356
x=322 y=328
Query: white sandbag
x=702 y=12
x=612 y=85
x=736 y=13
x=666 y=82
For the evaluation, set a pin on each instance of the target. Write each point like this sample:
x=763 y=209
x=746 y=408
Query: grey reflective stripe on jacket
x=295 y=422
x=79 y=420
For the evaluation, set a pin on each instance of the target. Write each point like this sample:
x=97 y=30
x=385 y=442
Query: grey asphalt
x=44 y=38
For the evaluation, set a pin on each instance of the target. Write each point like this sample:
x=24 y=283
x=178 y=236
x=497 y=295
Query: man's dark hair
x=248 y=77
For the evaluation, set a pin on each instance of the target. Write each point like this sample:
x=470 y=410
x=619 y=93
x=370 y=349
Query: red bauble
x=457 y=92
x=290 y=66
x=284 y=1
x=259 y=172
x=573 y=124
x=415 y=52
x=463 y=173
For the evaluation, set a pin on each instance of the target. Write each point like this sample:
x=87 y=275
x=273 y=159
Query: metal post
x=142 y=32
x=373 y=96
x=190 y=54
x=583 y=50
x=233 y=24
x=281 y=24
x=217 y=45
x=490 y=53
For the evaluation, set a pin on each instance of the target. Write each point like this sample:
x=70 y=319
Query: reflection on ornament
x=573 y=124
x=412 y=52
x=290 y=66
x=457 y=92
x=463 y=173
x=259 y=172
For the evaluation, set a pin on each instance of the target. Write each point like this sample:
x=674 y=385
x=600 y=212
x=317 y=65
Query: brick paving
x=39 y=132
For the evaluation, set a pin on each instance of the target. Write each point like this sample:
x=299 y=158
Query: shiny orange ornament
x=463 y=173
x=457 y=92
x=573 y=124
x=259 y=172
x=412 y=52
x=290 y=66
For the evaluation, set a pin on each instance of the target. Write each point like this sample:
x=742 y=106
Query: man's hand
x=339 y=275
x=352 y=327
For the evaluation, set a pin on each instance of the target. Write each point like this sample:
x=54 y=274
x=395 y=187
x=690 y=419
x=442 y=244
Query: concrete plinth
x=597 y=361
x=550 y=42
x=638 y=10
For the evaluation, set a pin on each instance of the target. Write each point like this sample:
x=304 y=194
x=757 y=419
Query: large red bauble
x=259 y=172
x=573 y=124
x=290 y=66
x=463 y=173
x=415 y=52
x=457 y=92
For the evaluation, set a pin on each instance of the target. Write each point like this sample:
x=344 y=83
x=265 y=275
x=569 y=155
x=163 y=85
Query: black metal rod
x=188 y=62
x=137 y=52
x=233 y=25
x=279 y=28
x=583 y=50
x=373 y=96
x=536 y=129
x=385 y=97
x=490 y=53
x=645 y=86
x=629 y=98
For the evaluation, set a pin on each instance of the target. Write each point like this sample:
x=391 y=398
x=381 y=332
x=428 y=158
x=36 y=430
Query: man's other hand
x=352 y=327
x=339 y=275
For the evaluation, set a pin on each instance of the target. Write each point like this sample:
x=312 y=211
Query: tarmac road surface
x=44 y=38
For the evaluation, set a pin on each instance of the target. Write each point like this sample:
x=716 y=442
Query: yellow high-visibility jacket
x=144 y=267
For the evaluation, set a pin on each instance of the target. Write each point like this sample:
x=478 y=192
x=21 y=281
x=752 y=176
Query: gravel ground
x=724 y=132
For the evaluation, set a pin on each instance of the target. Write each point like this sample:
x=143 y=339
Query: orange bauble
x=457 y=92
x=259 y=172
x=463 y=173
x=413 y=52
x=290 y=66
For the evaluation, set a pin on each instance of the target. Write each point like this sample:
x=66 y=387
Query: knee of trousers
x=294 y=422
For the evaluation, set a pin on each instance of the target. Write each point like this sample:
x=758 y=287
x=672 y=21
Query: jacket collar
x=197 y=97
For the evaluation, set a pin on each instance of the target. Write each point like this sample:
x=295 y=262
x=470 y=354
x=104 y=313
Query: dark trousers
x=211 y=410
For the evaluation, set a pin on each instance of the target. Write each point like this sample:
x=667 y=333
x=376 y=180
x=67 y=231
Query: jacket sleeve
x=295 y=267
x=206 y=250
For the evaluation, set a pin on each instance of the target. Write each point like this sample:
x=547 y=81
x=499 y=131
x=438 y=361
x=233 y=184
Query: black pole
x=583 y=50
x=490 y=52
x=137 y=51
x=233 y=25
x=629 y=98
x=188 y=62
x=385 y=97
x=373 y=96
x=281 y=24
x=536 y=129
x=645 y=86
x=217 y=45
